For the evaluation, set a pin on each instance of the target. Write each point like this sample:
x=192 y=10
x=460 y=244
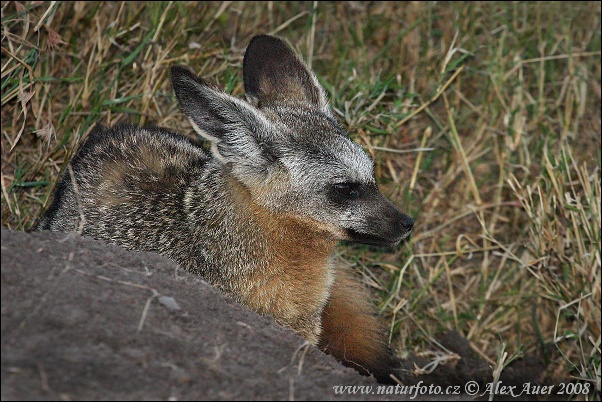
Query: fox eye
x=350 y=191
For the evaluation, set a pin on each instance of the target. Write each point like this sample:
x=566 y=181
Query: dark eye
x=349 y=191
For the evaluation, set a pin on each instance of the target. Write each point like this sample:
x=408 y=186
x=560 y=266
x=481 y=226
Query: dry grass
x=502 y=98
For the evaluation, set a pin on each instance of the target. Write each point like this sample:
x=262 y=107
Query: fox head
x=287 y=148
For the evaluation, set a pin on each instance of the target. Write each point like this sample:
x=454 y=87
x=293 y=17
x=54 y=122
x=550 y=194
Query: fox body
x=259 y=216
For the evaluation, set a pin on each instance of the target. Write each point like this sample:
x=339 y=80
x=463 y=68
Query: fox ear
x=274 y=75
x=238 y=132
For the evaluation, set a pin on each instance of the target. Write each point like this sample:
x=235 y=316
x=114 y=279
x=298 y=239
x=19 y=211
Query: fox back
x=260 y=214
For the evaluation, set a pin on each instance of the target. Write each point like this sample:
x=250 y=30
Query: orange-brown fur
x=295 y=284
x=351 y=331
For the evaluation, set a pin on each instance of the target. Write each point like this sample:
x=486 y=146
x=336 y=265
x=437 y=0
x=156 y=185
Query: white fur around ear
x=213 y=140
x=239 y=133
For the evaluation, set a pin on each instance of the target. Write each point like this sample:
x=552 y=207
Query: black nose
x=406 y=222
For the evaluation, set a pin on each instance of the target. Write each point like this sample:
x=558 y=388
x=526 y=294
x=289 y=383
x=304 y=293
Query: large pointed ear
x=274 y=75
x=238 y=132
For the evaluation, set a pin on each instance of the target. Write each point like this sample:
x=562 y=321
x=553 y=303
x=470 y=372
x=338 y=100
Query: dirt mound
x=82 y=319
x=85 y=320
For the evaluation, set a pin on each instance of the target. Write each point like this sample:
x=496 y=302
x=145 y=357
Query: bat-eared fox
x=260 y=215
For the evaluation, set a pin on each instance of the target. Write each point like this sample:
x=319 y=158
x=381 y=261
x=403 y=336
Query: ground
x=82 y=319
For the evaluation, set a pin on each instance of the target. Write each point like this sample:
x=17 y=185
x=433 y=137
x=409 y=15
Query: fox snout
x=380 y=223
